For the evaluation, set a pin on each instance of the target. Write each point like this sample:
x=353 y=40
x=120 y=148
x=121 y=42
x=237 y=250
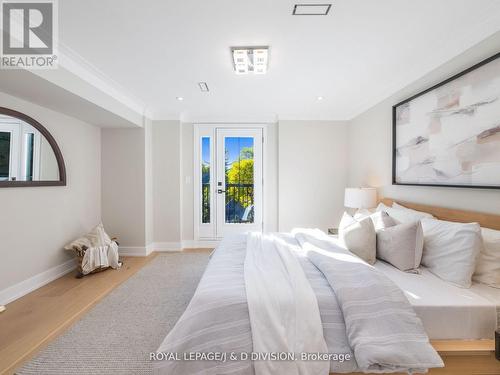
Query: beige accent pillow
x=359 y=237
x=401 y=245
x=488 y=263
x=382 y=220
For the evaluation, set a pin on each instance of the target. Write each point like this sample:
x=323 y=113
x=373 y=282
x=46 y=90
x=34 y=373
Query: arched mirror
x=29 y=155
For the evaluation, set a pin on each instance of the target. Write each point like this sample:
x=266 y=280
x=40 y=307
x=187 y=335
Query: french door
x=228 y=173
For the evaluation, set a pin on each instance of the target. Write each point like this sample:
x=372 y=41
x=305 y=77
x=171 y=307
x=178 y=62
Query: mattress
x=447 y=311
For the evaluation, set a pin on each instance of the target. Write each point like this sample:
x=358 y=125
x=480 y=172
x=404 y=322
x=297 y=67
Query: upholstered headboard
x=450 y=214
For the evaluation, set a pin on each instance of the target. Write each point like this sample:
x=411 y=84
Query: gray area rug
x=117 y=335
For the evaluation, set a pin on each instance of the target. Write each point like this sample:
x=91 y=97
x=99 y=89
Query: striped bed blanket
x=233 y=326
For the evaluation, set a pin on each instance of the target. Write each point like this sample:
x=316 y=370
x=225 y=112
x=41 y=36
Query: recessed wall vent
x=311 y=9
x=203 y=86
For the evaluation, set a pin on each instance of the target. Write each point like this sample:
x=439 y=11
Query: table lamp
x=360 y=198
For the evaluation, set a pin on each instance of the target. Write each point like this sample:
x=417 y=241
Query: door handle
x=220 y=191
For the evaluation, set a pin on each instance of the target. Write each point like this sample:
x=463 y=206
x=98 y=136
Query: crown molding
x=78 y=65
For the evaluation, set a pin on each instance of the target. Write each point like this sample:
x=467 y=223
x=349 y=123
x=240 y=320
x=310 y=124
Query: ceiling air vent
x=311 y=9
x=203 y=86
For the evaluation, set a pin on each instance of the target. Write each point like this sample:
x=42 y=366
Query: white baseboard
x=138 y=251
x=167 y=246
x=133 y=251
x=200 y=244
x=150 y=248
x=26 y=286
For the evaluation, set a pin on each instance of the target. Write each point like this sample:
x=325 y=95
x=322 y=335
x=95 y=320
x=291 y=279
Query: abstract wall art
x=449 y=135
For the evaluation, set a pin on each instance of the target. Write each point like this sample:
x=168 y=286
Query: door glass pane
x=239 y=179
x=4 y=155
x=30 y=139
x=205 y=179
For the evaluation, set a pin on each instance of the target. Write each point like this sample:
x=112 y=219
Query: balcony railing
x=205 y=202
x=239 y=203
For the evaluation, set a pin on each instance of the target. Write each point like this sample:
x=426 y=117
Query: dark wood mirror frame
x=53 y=144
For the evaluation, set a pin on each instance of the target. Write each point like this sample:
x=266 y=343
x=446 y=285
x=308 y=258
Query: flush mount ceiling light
x=250 y=59
x=203 y=86
x=179 y=98
x=311 y=9
x=319 y=98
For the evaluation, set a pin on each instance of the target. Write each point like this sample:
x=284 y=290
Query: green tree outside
x=241 y=173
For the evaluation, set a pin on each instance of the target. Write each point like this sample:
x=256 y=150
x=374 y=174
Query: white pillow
x=399 y=216
x=488 y=263
x=381 y=207
x=401 y=245
x=402 y=214
x=361 y=214
x=419 y=214
x=451 y=249
x=359 y=237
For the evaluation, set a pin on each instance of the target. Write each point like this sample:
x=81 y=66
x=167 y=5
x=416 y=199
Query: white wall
x=123 y=186
x=36 y=222
x=49 y=170
x=166 y=182
x=312 y=173
x=128 y=205
x=186 y=180
x=271 y=179
x=370 y=144
x=148 y=183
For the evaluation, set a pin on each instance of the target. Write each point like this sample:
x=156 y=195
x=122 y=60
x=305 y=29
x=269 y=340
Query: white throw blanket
x=100 y=257
x=283 y=309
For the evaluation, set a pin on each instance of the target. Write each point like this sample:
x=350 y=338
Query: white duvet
x=283 y=309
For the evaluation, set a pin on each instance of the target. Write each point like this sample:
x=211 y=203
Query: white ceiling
x=358 y=55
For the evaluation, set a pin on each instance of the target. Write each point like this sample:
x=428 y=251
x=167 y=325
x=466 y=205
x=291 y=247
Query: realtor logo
x=29 y=34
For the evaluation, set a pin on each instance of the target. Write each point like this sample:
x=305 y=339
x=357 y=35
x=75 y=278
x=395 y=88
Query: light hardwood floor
x=32 y=321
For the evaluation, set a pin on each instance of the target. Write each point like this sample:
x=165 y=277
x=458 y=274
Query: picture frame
x=449 y=134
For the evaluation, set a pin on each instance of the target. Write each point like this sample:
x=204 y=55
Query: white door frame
x=25 y=130
x=208 y=232
x=15 y=145
x=18 y=130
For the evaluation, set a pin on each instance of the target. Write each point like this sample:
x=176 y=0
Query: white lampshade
x=360 y=197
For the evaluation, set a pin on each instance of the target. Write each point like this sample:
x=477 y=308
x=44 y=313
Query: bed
x=217 y=319
x=447 y=311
